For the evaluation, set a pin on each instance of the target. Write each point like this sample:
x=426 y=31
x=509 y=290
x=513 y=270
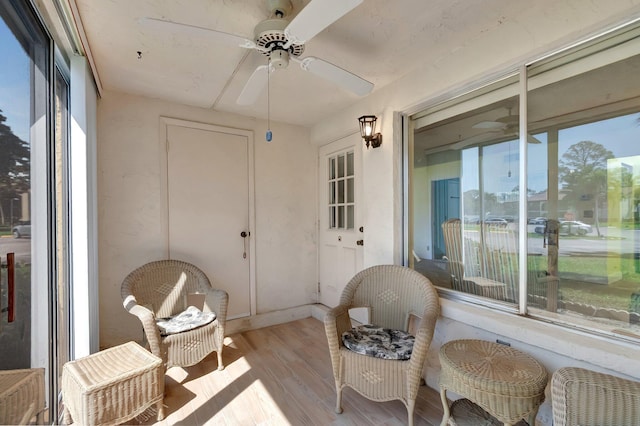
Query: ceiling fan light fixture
x=279 y=58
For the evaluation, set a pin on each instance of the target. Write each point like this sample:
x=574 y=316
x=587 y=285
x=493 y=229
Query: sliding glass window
x=575 y=251
x=34 y=299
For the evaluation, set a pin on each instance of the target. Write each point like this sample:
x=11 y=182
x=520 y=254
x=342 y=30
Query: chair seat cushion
x=191 y=318
x=379 y=342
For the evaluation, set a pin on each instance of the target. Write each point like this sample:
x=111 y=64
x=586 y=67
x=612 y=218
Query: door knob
x=244 y=235
x=360 y=242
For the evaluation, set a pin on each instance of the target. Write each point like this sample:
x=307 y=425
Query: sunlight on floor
x=278 y=375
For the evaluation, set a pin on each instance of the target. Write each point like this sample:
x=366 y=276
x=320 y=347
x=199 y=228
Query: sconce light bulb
x=367 y=130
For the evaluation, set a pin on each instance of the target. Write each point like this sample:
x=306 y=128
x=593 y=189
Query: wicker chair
x=22 y=396
x=164 y=288
x=394 y=296
x=495 y=258
x=492 y=257
x=588 y=398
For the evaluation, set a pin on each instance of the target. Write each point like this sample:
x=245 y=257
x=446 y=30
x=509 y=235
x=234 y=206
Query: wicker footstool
x=505 y=382
x=112 y=386
x=21 y=396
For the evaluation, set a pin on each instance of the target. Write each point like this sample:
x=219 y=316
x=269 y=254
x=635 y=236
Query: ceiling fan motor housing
x=270 y=36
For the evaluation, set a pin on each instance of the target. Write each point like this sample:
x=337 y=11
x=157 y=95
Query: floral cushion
x=191 y=318
x=379 y=342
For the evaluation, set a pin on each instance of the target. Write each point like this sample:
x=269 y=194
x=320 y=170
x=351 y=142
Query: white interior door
x=341 y=232
x=208 y=195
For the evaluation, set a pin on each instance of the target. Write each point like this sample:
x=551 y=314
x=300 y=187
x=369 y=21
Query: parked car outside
x=21 y=230
x=538 y=221
x=569 y=227
x=497 y=221
x=472 y=219
x=574 y=227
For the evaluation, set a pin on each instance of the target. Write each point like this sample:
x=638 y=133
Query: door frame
x=440 y=192
x=164 y=124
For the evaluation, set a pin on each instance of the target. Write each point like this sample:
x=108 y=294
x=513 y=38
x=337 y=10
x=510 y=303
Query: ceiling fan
x=501 y=127
x=282 y=41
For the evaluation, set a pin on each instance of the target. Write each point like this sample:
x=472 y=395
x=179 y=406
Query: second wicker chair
x=589 y=398
x=392 y=294
x=162 y=289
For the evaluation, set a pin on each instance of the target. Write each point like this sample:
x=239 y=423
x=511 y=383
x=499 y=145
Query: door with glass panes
x=342 y=236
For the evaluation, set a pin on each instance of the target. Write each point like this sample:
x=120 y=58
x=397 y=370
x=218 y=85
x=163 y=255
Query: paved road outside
x=20 y=246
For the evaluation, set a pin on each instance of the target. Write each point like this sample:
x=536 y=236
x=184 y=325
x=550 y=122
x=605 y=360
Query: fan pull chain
x=269 y=135
x=509 y=174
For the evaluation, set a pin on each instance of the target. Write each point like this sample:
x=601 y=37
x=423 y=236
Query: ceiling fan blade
x=254 y=86
x=315 y=17
x=504 y=122
x=488 y=136
x=530 y=139
x=475 y=139
x=192 y=30
x=489 y=125
x=335 y=74
x=533 y=139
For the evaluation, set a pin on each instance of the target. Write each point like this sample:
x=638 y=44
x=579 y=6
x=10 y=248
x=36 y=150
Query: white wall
x=130 y=209
x=537 y=31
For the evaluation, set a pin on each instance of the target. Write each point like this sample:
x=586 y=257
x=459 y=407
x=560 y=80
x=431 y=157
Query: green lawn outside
x=615 y=295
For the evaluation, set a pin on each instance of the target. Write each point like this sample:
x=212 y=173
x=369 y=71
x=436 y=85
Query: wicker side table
x=506 y=382
x=112 y=386
x=21 y=396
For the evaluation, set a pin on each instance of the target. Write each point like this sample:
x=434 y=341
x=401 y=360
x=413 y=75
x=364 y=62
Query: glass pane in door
x=341 y=191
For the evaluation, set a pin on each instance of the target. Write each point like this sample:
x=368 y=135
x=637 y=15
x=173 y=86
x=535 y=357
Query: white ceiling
x=380 y=40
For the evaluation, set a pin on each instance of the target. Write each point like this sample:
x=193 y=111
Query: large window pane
x=584 y=194
x=15 y=214
x=465 y=193
x=26 y=192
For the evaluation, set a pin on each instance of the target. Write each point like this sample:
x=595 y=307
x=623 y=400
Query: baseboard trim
x=267 y=319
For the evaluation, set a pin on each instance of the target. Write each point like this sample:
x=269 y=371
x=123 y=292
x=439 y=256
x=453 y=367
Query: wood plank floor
x=279 y=375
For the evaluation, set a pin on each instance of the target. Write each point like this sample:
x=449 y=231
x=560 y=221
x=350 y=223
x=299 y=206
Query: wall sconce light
x=367 y=131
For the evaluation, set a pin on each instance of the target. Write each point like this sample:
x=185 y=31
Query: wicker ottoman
x=507 y=383
x=112 y=386
x=21 y=396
